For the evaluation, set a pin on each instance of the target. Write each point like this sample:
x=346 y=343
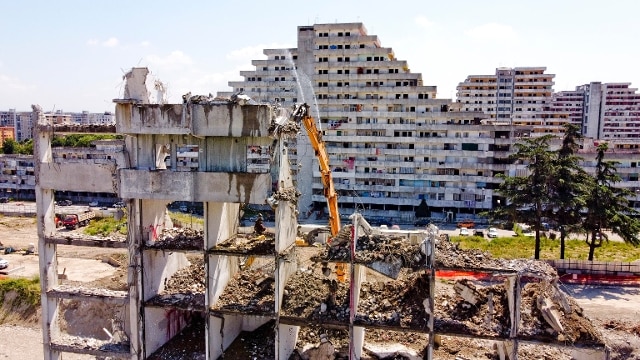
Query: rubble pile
x=257 y=244
x=548 y=314
x=249 y=291
x=179 y=238
x=389 y=248
x=313 y=296
x=321 y=343
x=189 y=344
x=471 y=309
x=290 y=194
x=289 y=128
x=399 y=302
x=185 y=288
x=256 y=344
x=449 y=255
x=412 y=340
x=71 y=236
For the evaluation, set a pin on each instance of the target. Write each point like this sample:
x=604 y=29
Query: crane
x=301 y=114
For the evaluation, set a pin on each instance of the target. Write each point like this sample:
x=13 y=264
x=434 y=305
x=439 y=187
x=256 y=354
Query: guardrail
x=615 y=268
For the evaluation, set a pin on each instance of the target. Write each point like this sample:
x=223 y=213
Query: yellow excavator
x=301 y=114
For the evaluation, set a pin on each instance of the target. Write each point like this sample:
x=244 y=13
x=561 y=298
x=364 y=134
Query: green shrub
x=28 y=290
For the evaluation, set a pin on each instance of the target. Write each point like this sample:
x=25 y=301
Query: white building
x=391 y=142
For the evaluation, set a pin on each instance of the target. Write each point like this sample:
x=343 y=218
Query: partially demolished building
x=225 y=292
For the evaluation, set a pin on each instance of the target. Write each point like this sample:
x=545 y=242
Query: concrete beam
x=78 y=177
x=224 y=120
x=194 y=186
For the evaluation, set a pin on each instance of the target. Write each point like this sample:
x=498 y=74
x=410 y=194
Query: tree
x=570 y=186
x=422 y=210
x=529 y=196
x=9 y=146
x=608 y=207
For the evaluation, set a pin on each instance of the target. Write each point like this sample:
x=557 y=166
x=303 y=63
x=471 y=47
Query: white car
x=464 y=232
x=93 y=203
x=493 y=233
x=4 y=264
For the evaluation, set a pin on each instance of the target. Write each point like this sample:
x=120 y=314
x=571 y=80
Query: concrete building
x=391 y=142
x=610 y=111
x=20 y=120
x=518 y=96
x=214 y=152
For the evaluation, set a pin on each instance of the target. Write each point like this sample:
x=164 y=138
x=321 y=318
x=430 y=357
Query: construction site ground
x=614 y=310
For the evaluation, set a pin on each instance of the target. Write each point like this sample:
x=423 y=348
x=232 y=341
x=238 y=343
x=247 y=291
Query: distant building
x=518 y=96
x=6 y=132
x=23 y=124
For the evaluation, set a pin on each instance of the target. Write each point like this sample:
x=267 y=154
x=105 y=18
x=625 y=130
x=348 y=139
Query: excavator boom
x=301 y=114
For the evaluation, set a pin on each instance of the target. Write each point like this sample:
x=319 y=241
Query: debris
x=249 y=244
x=179 y=238
x=251 y=291
x=185 y=288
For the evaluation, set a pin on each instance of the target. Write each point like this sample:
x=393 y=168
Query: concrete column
x=46 y=252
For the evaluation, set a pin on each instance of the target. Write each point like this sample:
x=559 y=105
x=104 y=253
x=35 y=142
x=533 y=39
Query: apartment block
x=20 y=120
x=518 y=96
x=391 y=142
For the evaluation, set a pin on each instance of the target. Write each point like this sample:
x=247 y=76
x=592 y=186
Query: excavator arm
x=301 y=114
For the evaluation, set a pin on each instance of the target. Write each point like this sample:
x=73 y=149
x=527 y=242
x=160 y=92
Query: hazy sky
x=71 y=55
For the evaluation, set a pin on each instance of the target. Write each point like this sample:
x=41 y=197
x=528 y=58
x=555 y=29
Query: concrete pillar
x=46 y=252
x=286 y=337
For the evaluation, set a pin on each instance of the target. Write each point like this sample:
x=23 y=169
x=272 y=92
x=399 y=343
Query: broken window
x=258 y=158
x=187 y=158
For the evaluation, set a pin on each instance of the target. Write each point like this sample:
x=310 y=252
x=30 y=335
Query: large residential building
x=391 y=143
x=610 y=111
x=20 y=120
x=518 y=96
x=524 y=96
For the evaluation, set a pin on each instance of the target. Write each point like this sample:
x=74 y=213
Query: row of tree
x=558 y=190
x=10 y=146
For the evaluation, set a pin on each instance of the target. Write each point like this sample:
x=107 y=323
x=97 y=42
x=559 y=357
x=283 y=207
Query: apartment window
x=339 y=59
x=361 y=46
x=369 y=58
x=264 y=68
x=346 y=71
x=339 y=71
x=375 y=71
x=347 y=59
x=347 y=46
x=340 y=34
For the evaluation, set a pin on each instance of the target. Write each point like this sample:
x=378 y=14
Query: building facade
x=391 y=142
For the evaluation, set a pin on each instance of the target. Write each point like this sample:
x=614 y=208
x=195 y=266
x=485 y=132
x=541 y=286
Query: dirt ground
x=614 y=310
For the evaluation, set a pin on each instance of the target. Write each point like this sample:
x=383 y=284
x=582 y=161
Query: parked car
x=93 y=203
x=4 y=264
x=493 y=233
x=478 y=232
x=464 y=232
x=118 y=205
x=183 y=208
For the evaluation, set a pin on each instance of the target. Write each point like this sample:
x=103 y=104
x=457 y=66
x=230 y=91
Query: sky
x=71 y=55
